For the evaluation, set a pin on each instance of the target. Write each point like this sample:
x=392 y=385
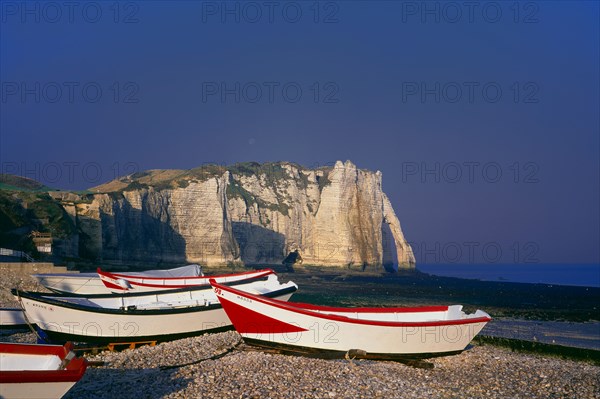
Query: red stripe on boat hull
x=111 y=286
x=289 y=306
x=107 y=277
x=36 y=349
x=419 y=309
x=247 y=321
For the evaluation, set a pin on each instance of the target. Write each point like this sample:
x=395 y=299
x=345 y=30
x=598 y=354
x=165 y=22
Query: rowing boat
x=157 y=316
x=123 y=282
x=90 y=283
x=38 y=371
x=377 y=333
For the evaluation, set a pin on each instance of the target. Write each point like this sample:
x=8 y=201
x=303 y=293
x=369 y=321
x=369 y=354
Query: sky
x=482 y=116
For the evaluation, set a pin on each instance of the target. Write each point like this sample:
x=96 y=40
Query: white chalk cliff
x=245 y=213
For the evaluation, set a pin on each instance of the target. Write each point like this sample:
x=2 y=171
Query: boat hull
x=12 y=319
x=32 y=390
x=62 y=321
x=309 y=330
x=38 y=371
x=136 y=329
x=91 y=284
x=342 y=354
x=124 y=283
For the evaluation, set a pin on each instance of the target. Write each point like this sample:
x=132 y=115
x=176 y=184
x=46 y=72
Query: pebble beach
x=480 y=372
x=184 y=369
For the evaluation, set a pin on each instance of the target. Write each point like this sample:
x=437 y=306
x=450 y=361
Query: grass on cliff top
x=157 y=178
x=274 y=173
x=274 y=169
x=18 y=183
x=160 y=179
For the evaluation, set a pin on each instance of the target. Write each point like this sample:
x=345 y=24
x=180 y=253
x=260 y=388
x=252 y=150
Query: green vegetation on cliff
x=273 y=175
x=22 y=212
x=323 y=180
x=235 y=190
x=18 y=183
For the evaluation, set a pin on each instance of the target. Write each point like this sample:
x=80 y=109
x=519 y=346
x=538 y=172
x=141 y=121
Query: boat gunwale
x=34 y=296
x=65 y=275
x=99 y=339
x=14 y=291
x=259 y=272
x=21 y=348
x=72 y=373
x=111 y=286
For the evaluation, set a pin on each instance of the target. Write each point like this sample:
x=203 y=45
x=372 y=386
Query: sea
x=582 y=275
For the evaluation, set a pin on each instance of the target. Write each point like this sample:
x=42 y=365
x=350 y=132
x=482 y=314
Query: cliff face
x=160 y=226
x=250 y=213
x=334 y=216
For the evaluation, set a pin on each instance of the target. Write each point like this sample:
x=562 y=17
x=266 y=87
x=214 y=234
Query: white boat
x=376 y=333
x=38 y=371
x=12 y=318
x=124 y=282
x=157 y=316
x=90 y=283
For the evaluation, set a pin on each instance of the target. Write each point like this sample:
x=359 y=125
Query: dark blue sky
x=483 y=119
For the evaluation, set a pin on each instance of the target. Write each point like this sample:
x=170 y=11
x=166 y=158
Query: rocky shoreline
x=482 y=371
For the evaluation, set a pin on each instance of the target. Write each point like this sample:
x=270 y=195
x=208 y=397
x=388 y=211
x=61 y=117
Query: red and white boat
x=38 y=371
x=90 y=283
x=124 y=282
x=376 y=333
x=137 y=317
